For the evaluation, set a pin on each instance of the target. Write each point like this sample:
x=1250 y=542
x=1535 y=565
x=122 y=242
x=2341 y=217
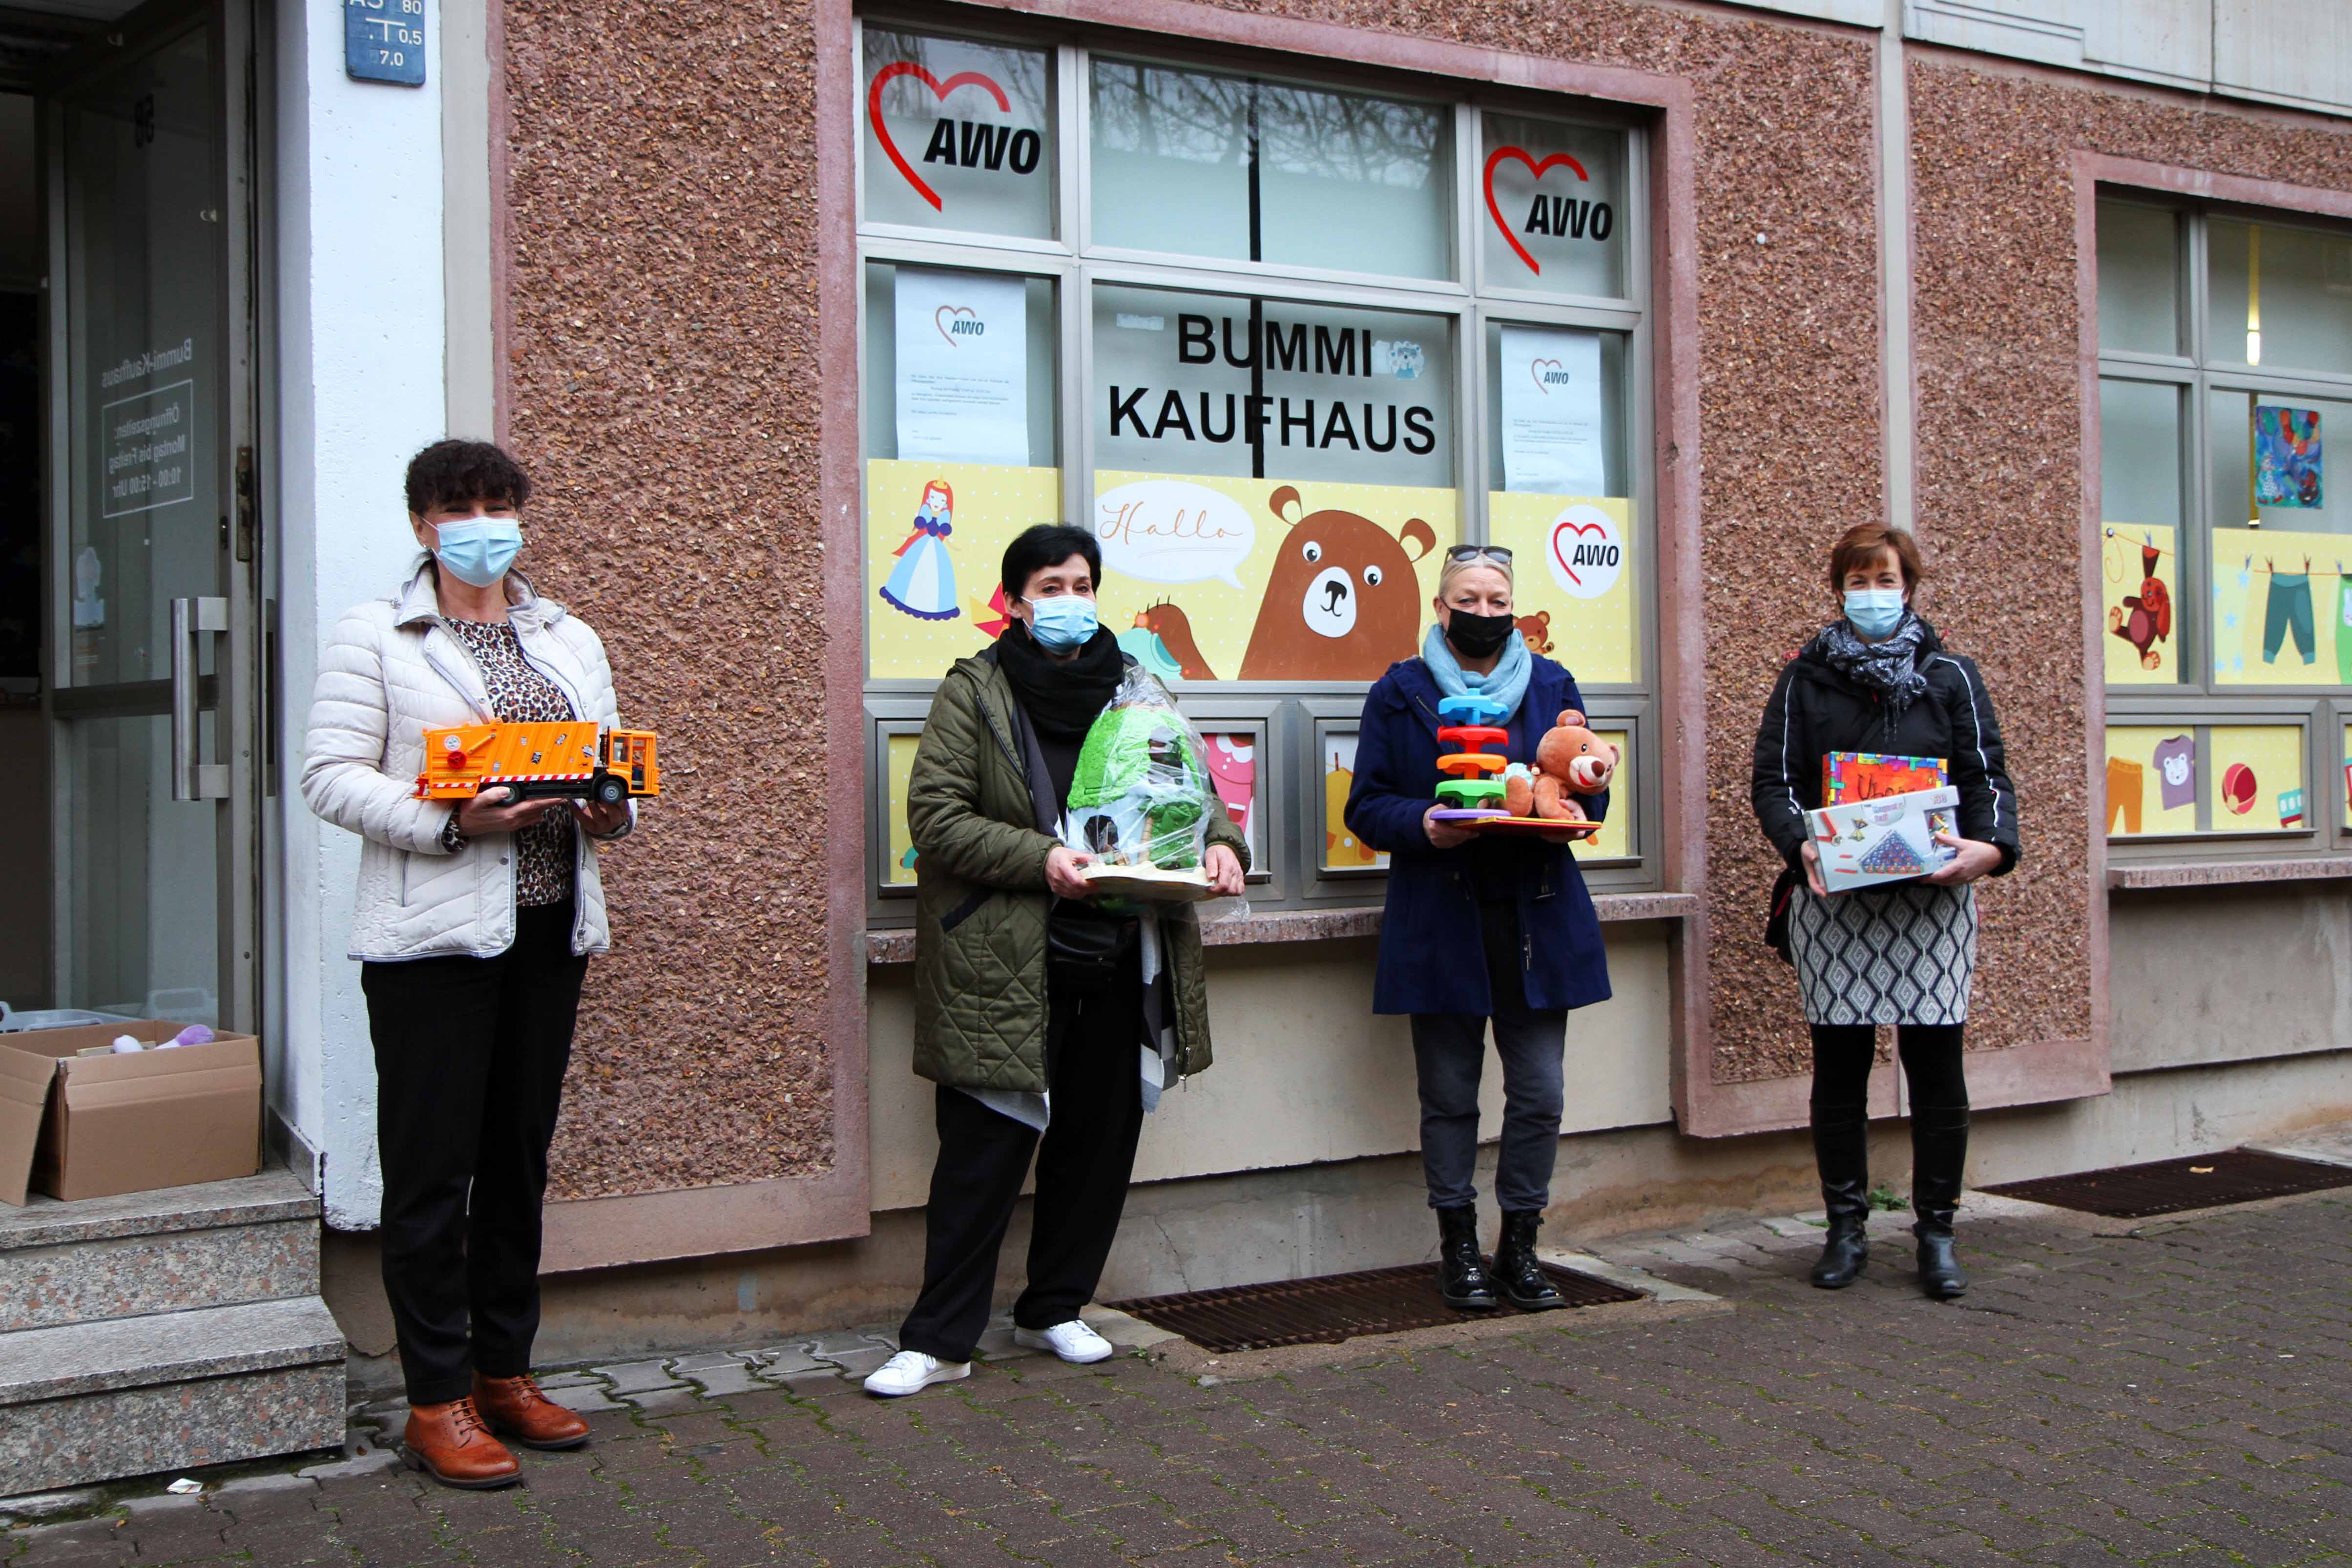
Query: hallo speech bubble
x=1166 y=531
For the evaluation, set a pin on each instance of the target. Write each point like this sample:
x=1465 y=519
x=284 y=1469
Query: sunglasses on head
x=1477 y=551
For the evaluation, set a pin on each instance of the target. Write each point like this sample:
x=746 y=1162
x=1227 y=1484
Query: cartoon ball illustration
x=2238 y=788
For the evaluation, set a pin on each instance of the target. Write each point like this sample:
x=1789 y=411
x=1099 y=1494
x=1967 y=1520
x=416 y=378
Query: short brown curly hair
x=455 y=472
x=1865 y=543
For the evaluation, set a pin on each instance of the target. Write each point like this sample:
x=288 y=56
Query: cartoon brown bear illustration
x=1535 y=630
x=1343 y=602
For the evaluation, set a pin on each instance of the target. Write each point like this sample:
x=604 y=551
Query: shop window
x=957 y=135
x=2225 y=342
x=1554 y=199
x=1230 y=323
x=1195 y=163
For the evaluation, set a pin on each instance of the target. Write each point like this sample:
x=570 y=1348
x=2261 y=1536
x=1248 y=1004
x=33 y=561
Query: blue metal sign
x=383 y=40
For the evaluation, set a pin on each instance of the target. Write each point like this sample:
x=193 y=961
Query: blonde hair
x=1453 y=568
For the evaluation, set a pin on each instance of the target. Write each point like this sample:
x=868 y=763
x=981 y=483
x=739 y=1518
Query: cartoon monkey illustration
x=1342 y=602
x=2149 y=620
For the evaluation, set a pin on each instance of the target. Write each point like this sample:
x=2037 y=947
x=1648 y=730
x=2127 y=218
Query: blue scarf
x=1506 y=683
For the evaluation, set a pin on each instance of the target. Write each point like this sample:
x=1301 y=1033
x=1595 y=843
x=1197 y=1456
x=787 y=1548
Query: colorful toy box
x=1870 y=843
x=1874 y=775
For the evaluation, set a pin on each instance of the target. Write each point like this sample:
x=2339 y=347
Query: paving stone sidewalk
x=2178 y=1395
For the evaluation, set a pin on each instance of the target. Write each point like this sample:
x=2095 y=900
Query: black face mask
x=1476 y=637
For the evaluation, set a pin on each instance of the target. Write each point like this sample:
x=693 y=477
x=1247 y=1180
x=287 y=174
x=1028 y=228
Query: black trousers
x=1449 y=1053
x=1084 y=1163
x=469 y=1059
x=1931 y=1065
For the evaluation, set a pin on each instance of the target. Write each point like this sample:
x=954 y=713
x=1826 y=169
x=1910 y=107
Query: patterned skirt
x=1902 y=954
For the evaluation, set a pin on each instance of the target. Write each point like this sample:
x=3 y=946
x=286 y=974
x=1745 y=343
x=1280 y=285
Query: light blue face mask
x=1875 y=612
x=1062 y=623
x=478 y=549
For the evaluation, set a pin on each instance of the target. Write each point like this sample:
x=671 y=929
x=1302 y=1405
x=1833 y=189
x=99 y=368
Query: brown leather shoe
x=449 y=1443
x=517 y=1409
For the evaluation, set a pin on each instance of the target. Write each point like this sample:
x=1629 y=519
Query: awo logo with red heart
x=1564 y=214
x=1546 y=373
x=940 y=89
x=1586 y=553
x=958 y=322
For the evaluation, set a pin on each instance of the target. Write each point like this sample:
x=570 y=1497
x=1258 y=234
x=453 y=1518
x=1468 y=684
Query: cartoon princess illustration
x=923 y=582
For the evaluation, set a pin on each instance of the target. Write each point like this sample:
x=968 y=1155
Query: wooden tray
x=1149 y=882
x=1534 y=827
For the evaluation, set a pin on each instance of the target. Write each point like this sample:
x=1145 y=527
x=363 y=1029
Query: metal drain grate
x=2169 y=1186
x=1337 y=1307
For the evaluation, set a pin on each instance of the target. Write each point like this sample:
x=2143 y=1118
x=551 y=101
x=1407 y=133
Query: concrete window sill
x=2226 y=873
x=1327 y=925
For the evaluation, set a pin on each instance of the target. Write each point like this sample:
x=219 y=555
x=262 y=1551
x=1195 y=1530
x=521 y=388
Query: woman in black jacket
x=1879 y=679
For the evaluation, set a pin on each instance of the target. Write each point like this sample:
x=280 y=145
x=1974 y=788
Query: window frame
x=2200 y=704
x=1294 y=714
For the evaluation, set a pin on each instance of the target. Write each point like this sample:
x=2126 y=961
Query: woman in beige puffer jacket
x=473 y=932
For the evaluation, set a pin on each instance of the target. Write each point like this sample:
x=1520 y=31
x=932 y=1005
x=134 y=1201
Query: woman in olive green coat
x=1033 y=1010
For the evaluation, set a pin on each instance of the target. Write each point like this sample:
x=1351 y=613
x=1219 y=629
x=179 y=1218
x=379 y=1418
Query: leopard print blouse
x=522 y=695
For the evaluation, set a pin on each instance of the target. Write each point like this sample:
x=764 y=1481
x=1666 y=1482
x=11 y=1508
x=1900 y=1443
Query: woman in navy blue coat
x=1477 y=929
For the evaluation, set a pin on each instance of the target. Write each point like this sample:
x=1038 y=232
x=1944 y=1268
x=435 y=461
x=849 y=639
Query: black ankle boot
x=1462 y=1276
x=1939 y=1151
x=1842 y=1149
x=1521 y=1278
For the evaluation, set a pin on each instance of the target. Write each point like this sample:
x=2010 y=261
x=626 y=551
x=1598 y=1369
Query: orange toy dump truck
x=569 y=760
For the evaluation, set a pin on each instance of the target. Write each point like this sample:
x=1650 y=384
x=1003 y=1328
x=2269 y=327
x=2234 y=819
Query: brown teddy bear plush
x=1570 y=760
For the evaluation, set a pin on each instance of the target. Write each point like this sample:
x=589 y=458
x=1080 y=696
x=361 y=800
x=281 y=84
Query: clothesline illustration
x=2117 y=566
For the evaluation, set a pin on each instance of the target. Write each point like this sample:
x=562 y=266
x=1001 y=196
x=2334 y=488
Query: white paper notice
x=964 y=366
x=1551 y=412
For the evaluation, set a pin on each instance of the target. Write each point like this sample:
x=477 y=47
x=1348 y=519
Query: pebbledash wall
x=1871 y=293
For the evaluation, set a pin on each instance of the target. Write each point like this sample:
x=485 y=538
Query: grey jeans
x=1449 y=1050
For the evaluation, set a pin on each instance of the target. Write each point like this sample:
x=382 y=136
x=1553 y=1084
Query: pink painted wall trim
x=590 y=1233
x=502 y=233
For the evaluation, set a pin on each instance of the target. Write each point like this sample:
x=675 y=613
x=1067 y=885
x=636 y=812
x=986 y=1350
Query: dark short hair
x=1046 y=544
x=1868 y=541
x=455 y=472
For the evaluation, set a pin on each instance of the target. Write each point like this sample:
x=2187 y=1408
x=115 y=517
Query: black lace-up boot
x=1842 y=1149
x=1940 y=1150
x=1521 y=1278
x=1462 y=1276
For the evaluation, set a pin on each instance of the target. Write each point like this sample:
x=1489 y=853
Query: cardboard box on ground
x=89 y=1127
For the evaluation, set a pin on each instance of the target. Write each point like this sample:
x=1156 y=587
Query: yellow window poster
x=2139 y=583
x=898 y=843
x=1573 y=580
x=1231 y=579
x=2151 y=780
x=2258 y=784
x=2281 y=608
x=1615 y=840
x=1343 y=851
x=935 y=536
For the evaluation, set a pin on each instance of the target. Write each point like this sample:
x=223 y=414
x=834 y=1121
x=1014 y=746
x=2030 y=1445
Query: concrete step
x=211 y=1245
x=89 y=1401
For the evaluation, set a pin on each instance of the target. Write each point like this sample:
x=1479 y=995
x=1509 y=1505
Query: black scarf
x=1062 y=697
x=1887 y=667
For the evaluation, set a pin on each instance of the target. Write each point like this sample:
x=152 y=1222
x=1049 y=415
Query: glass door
x=151 y=572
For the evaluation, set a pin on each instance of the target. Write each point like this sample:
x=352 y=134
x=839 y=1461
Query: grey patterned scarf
x=1885 y=666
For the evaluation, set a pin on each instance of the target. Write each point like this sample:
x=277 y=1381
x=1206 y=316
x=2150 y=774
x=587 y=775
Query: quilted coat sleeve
x=944 y=819
x=605 y=703
x=343 y=756
x=1782 y=749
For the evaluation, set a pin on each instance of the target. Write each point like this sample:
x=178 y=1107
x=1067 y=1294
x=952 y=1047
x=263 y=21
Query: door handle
x=191 y=778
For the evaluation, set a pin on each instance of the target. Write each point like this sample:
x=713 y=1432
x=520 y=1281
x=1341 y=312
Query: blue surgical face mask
x=1875 y=612
x=478 y=549
x=1062 y=623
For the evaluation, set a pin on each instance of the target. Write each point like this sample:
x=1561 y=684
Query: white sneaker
x=1072 y=1341
x=911 y=1371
